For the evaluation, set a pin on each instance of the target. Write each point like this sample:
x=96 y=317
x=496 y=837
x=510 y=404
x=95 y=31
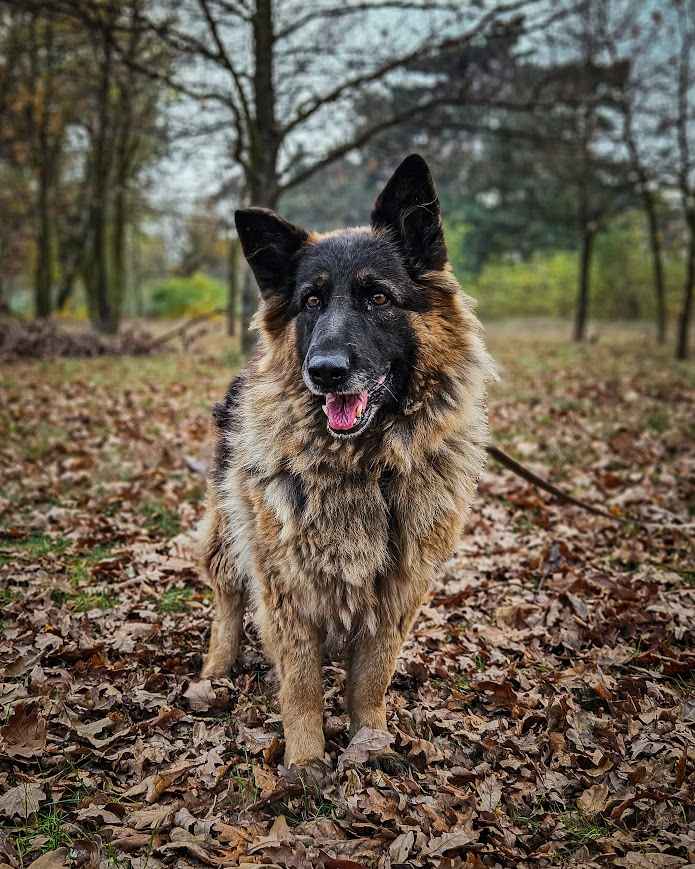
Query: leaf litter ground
x=543 y=709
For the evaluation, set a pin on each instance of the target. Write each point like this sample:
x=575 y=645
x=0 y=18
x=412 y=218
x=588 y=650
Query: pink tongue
x=344 y=410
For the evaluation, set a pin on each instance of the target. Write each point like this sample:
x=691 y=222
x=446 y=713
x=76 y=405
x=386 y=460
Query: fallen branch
x=528 y=475
x=181 y=329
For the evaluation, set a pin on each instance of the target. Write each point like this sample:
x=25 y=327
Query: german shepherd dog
x=348 y=451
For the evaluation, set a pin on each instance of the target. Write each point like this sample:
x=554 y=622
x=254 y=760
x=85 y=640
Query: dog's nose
x=328 y=369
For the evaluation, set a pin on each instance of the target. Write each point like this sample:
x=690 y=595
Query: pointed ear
x=270 y=245
x=408 y=208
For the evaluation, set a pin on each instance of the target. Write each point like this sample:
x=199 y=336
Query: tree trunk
x=4 y=303
x=98 y=267
x=118 y=257
x=44 y=252
x=582 y=312
x=124 y=156
x=232 y=285
x=682 y=345
x=43 y=156
x=657 y=263
x=136 y=270
x=262 y=181
x=64 y=293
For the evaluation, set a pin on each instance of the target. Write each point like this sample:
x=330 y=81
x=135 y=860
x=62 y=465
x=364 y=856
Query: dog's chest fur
x=329 y=521
x=335 y=542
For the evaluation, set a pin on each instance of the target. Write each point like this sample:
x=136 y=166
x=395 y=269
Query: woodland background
x=561 y=134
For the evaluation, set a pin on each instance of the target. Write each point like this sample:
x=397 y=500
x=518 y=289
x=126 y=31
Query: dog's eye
x=312 y=302
x=379 y=299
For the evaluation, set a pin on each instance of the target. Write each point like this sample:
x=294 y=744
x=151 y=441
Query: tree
x=586 y=118
x=682 y=121
x=89 y=123
x=124 y=137
x=36 y=112
x=288 y=76
x=632 y=30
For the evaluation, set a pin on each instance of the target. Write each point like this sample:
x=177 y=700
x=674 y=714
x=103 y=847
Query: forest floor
x=543 y=708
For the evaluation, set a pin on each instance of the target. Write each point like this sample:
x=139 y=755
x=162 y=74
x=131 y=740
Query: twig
x=523 y=472
x=183 y=328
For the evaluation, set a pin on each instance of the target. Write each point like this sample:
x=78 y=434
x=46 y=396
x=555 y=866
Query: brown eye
x=379 y=299
x=312 y=302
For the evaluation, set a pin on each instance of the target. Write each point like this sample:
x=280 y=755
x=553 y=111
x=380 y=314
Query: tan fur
x=382 y=512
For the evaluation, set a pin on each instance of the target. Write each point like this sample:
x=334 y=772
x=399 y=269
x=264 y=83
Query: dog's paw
x=215 y=669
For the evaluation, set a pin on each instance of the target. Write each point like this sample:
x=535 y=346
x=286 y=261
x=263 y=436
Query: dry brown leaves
x=543 y=711
x=43 y=339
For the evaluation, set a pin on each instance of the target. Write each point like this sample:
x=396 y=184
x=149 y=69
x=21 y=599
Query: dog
x=348 y=451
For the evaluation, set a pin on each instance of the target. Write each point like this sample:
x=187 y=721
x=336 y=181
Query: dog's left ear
x=408 y=208
x=270 y=245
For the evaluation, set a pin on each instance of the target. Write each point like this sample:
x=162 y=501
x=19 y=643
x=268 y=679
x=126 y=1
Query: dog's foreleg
x=225 y=636
x=295 y=649
x=372 y=664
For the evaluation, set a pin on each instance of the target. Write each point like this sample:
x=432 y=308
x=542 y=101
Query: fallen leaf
x=52 y=860
x=594 y=800
x=201 y=695
x=21 y=801
x=365 y=744
x=24 y=735
x=489 y=793
x=439 y=845
x=401 y=847
x=649 y=860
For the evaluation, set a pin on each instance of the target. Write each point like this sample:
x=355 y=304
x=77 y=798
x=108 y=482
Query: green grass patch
x=175 y=600
x=48 y=826
x=6 y=596
x=244 y=788
x=80 y=570
x=83 y=601
x=161 y=520
x=657 y=421
x=688 y=576
x=40 y=545
x=583 y=830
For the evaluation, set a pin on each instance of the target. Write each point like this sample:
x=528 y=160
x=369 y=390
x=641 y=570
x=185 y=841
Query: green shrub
x=545 y=285
x=178 y=297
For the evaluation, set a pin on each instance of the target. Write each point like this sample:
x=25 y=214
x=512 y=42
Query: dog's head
x=352 y=294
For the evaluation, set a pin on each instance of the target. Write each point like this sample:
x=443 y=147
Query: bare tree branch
x=341 y=11
x=402 y=61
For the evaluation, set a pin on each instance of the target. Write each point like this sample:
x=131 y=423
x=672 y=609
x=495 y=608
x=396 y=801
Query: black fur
x=270 y=245
x=408 y=210
x=345 y=271
x=224 y=414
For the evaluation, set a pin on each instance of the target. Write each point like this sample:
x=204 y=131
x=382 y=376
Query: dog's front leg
x=373 y=662
x=225 y=636
x=295 y=648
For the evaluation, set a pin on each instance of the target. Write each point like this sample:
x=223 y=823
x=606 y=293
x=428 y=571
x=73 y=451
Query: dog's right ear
x=270 y=245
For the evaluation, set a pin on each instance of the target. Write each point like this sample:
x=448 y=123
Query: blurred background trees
x=560 y=133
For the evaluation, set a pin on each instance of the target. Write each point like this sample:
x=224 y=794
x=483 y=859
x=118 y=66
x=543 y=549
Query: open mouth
x=349 y=413
x=345 y=409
